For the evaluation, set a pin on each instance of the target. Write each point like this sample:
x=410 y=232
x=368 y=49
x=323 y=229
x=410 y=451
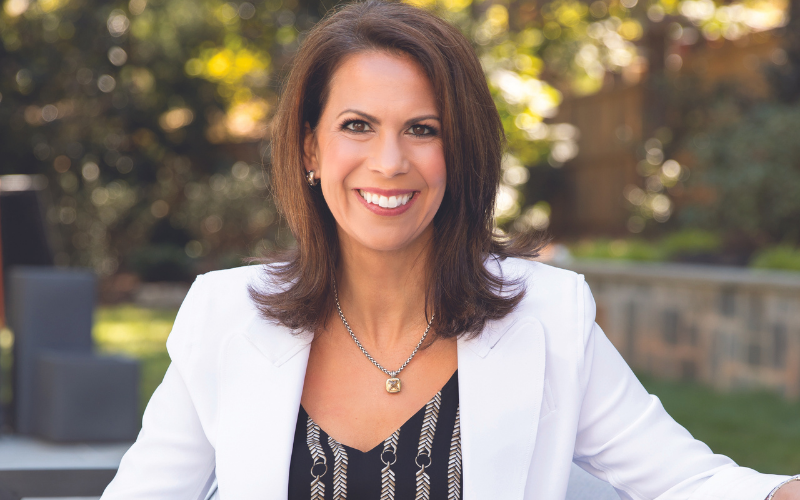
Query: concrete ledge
x=726 y=327
x=161 y=295
x=33 y=468
x=690 y=273
x=23 y=453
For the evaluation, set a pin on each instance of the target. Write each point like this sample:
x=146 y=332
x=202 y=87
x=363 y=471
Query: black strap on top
x=420 y=460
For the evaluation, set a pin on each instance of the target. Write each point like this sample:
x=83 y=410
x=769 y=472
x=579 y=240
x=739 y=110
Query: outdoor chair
x=63 y=391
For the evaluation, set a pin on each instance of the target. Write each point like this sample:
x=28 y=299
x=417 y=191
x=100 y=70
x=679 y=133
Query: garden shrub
x=161 y=262
x=690 y=242
x=778 y=257
x=633 y=249
x=751 y=164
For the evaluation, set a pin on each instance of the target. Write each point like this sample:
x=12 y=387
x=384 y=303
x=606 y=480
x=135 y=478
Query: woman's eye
x=421 y=130
x=357 y=126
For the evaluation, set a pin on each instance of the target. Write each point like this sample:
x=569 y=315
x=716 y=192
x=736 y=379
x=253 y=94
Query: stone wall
x=725 y=327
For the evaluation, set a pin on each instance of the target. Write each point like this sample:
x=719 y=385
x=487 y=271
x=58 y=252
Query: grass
x=138 y=333
x=756 y=429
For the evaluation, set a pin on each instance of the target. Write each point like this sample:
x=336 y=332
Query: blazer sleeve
x=626 y=437
x=171 y=459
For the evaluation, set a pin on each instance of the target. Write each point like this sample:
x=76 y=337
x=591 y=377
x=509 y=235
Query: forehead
x=382 y=81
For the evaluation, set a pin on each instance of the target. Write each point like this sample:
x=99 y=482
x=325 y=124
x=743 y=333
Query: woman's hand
x=789 y=491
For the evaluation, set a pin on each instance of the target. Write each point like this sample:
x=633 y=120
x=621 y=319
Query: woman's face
x=377 y=150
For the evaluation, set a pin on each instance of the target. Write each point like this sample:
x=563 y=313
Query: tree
x=133 y=114
x=146 y=117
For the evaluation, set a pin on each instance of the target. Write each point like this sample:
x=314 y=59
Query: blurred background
x=656 y=140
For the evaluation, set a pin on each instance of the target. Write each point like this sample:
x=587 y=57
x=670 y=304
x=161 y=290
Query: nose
x=389 y=158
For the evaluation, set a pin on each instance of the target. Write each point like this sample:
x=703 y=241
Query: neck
x=382 y=293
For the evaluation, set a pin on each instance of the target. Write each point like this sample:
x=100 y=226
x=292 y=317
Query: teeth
x=385 y=201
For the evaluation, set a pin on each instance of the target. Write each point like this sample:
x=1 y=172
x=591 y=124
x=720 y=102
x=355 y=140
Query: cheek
x=339 y=158
x=434 y=170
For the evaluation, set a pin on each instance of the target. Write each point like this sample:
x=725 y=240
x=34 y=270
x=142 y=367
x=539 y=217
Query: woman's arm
x=627 y=438
x=172 y=459
x=788 y=491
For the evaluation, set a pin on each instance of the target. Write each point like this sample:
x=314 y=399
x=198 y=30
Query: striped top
x=420 y=460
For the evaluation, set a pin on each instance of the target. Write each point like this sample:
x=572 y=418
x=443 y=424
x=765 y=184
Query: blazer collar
x=501 y=378
x=262 y=373
x=276 y=342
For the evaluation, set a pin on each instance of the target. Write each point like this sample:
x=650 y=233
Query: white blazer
x=538 y=390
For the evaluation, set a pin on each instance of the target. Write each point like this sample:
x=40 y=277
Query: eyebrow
x=375 y=120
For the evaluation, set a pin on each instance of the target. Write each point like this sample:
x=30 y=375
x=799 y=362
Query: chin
x=385 y=239
x=384 y=245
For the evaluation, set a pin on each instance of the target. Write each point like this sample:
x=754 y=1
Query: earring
x=312 y=181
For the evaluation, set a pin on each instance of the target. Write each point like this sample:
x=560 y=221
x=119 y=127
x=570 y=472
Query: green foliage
x=531 y=61
x=780 y=257
x=751 y=164
x=146 y=116
x=121 y=106
x=673 y=246
x=681 y=245
x=689 y=242
x=160 y=263
x=632 y=249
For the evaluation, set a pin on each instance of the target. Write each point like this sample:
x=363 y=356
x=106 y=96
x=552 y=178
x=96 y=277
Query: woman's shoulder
x=217 y=305
x=544 y=284
x=558 y=299
x=230 y=288
x=236 y=276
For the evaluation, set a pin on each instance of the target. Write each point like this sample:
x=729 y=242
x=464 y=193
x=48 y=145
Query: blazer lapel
x=501 y=377
x=262 y=378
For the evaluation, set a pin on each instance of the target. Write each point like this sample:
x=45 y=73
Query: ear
x=310 y=151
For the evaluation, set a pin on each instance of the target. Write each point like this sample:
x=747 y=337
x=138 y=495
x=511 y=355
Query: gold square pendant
x=393 y=385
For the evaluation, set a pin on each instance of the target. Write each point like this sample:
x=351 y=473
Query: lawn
x=756 y=429
x=140 y=333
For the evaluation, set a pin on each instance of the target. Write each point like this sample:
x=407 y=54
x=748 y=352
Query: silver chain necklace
x=392 y=383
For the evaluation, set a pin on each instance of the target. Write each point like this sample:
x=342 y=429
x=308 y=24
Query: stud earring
x=312 y=181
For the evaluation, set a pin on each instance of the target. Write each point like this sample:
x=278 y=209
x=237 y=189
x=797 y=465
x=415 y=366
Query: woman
x=402 y=350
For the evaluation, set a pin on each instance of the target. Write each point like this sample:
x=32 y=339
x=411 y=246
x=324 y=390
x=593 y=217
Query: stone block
x=48 y=309
x=671 y=326
x=83 y=397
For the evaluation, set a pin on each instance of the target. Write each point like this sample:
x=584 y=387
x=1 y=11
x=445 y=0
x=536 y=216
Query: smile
x=385 y=201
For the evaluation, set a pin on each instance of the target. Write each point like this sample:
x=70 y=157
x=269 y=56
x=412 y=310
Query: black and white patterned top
x=420 y=460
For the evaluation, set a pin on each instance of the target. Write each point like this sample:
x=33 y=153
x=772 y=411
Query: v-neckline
x=304 y=413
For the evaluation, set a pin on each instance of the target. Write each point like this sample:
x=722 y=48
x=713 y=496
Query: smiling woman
x=403 y=349
x=392 y=101
x=389 y=160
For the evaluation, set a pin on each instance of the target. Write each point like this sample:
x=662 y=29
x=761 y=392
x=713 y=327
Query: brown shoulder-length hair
x=462 y=292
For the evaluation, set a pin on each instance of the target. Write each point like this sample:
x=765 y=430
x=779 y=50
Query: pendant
x=393 y=385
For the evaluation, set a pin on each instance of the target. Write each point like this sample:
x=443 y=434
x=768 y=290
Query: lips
x=386 y=202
